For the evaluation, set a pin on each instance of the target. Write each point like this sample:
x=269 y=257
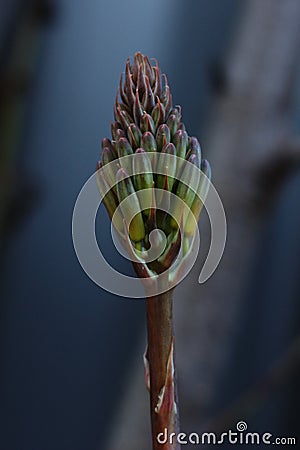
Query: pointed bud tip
x=205 y=167
x=121 y=174
x=170 y=148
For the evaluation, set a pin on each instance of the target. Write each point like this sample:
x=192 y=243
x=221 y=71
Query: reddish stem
x=164 y=411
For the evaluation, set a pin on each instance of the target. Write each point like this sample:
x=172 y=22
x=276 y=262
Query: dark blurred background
x=68 y=348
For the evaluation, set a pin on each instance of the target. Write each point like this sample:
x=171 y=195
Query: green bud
x=176 y=112
x=141 y=81
x=109 y=199
x=114 y=126
x=144 y=178
x=137 y=108
x=180 y=141
x=172 y=123
x=122 y=91
x=194 y=148
x=149 y=70
x=123 y=117
x=120 y=134
x=185 y=192
x=162 y=136
x=148 y=99
x=134 y=135
x=167 y=97
x=148 y=142
x=197 y=204
x=132 y=208
x=158 y=83
x=107 y=157
x=107 y=143
x=147 y=124
x=124 y=149
x=158 y=113
x=128 y=85
x=166 y=165
x=137 y=61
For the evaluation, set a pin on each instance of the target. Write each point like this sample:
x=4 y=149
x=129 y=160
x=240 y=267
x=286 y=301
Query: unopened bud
x=131 y=209
x=186 y=191
x=124 y=149
x=143 y=178
x=158 y=113
x=147 y=124
x=162 y=136
x=197 y=204
x=134 y=135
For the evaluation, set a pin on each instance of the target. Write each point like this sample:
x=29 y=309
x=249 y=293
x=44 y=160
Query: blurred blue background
x=66 y=345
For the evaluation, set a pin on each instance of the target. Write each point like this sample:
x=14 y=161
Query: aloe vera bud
x=185 y=190
x=166 y=167
x=134 y=136
x=147 y=124
x=162 y=136
x=143 y=178
x=109 y=199
x=131 y=210
x=197 y=204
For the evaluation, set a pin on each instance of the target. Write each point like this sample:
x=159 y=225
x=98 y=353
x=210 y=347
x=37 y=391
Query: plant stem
x=164 y=411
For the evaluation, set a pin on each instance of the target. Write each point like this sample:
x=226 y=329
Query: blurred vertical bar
x=20 y=38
